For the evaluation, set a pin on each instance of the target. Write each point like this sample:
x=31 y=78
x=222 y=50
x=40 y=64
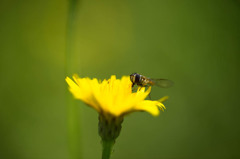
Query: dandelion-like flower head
x=113 y=97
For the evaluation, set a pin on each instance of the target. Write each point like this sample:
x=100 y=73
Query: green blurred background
x=194 y=43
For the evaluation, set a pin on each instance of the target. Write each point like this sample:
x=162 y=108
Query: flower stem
x=109 y=128
x=70 y=68
x=107 y=149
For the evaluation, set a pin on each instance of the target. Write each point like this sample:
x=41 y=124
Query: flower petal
x=163 y=99
x=149 y=106
x=74 y=88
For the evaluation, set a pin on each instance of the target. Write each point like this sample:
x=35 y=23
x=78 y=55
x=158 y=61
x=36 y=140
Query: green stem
x=70 y=68
x=69 y=53
x=107 y=149
x=109 y=128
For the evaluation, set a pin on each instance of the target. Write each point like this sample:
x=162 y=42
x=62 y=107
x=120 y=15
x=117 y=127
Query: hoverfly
x=143 y=81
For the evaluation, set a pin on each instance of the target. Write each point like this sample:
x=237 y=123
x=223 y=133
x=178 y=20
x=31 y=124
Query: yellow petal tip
x=163 y=99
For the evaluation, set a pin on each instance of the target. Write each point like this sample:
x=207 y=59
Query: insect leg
x=133 y=85
x=140 y=87
x=134 y=89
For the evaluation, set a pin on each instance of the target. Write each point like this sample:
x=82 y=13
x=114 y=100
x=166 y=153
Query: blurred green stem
x=107 y=149
x=73 y=109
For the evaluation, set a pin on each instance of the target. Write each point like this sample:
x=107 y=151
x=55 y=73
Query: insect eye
x=137 y=78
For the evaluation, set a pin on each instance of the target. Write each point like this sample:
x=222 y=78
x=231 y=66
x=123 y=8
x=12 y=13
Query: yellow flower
x=113 y=97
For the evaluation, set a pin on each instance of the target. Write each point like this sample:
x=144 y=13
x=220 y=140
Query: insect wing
x=163 y=83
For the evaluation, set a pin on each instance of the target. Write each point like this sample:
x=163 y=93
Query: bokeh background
x=194 y=43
